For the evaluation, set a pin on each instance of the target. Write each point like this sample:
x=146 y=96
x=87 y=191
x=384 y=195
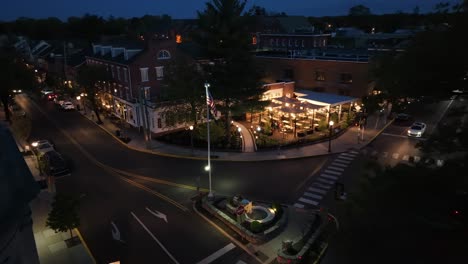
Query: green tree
x=64 y=214
x=359 y=10
x=184 y=85
x=217 y=133
x=234 y=76
x=13 y=75
x=88 y=78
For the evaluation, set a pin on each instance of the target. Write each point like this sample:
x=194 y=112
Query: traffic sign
x=240 y=210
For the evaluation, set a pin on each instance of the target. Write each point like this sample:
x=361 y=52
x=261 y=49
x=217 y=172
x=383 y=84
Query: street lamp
x=191 y=137
x=79 y=100
x=330 y=135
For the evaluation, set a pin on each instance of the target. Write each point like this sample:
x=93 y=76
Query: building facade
x=333 y=75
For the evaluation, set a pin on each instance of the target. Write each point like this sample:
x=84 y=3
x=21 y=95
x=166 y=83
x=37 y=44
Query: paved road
x=108 y=198
x=390 y=148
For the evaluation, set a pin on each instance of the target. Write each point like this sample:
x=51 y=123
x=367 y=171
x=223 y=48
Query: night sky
x=62 y=9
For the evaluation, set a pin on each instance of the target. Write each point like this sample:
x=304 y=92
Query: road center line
x=155 y=239
x=217 y=254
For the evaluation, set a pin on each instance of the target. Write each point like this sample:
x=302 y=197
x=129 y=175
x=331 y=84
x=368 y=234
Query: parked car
x=54 y=164
x=17 y=91
x=68 y=106
x=51 y=96
x=44 y=148
x=417 y=129
x=46 y=91
x=59 y=100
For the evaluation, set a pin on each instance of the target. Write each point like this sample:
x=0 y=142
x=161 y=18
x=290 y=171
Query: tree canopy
x=64 y=214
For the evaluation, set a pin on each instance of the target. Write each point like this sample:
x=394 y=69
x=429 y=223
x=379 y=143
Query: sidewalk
x=51 y=246
x=348 y=140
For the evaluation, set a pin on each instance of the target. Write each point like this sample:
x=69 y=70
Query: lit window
x=159 y=72
x=164 y=55
x=147 y=93
x=254 y=40
x=144 y=74
x=319 y=76
x=178 y=39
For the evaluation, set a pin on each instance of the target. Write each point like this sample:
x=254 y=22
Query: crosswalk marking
x=298 y=205
x=384 y=154
x=308 y=201
x=329 y=177
x=342 y=161
x=353 y=151
x=348 y=154
x=311 y=195
x=417 y=158
x=345 y=158
x=335 y=168
x=325 y=181
x=333 y=172
x=339 y=165
x=312 y=189
x=217 y=254
x=405 y=157
x=323 y=185
x=395 y=155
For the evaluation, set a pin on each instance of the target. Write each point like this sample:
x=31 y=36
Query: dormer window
x=164 y=55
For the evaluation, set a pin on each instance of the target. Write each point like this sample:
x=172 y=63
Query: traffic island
x=254 y=221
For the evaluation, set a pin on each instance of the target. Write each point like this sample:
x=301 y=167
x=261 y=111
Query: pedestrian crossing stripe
x=354 y=152
x=325 y=181
x=395 y=155
x=308 y=201
x=417 y=158
x=339 y=164
x=323 y=185
x=311 y=195
x=316 y=190
x=298 y=205
x=405 y=157
x=342 y=161
x=348 y=154
x=335 y=168
x=345 y=158
x=329 y=177
x=333 y=172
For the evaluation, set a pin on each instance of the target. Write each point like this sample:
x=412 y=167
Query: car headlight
x=419 y=133
x=19 y=91
x=34 y=144
x=409 y=131
x=14 y=91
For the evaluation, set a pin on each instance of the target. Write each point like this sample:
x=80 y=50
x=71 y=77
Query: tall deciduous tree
x=88 y=78
x=184 y=86
x=13 y=75
x=234 y=76
x=64 y=214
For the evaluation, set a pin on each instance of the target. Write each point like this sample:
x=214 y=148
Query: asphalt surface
x=109 y=197
x=390 y=148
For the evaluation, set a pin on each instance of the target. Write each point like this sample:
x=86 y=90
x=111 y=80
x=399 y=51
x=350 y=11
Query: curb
x=83 y=242
x=378 y=133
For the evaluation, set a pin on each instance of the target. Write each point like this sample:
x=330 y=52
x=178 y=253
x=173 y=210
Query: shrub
x=255 y=227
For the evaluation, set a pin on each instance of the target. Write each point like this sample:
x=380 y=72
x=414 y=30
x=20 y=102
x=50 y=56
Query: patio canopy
x=286 y=99
x=310 y=106
x=291 y=110
x=324 y=99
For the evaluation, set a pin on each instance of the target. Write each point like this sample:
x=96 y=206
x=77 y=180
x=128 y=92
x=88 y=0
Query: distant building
x=17 y=189
x=336 y=71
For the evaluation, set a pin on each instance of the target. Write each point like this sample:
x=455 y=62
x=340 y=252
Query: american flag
x=210 y=103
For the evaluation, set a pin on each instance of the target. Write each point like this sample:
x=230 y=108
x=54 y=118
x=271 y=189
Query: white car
x=417 y=129
x=45 y=147
x=68 y=106
x=46 y=91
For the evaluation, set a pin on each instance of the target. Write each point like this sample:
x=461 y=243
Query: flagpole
x=210 y=194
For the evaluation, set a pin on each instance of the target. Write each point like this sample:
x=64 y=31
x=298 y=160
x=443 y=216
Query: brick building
x=342 y=75
x=137 y=70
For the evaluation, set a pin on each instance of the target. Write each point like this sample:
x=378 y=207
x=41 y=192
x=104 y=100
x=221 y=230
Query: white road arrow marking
x=116 y=233
x=157 y=214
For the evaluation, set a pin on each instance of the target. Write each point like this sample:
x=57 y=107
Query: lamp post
x=330 y=135
x=191 y=138
x=241 y=139
x=79 y=101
